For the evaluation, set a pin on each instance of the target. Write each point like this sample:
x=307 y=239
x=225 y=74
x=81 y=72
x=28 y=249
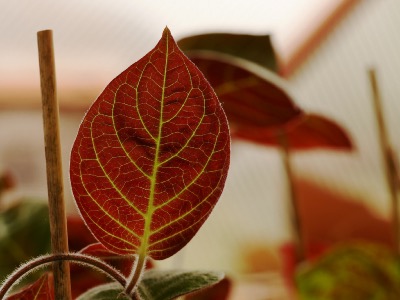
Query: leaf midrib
x=143 y=249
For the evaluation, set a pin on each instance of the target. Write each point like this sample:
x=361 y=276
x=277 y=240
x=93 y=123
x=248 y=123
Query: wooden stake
x=294 y=213
x=389 y=159
x=58 y=223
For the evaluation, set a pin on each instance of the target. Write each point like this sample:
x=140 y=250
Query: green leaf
x=165 y=285
x=109 y=291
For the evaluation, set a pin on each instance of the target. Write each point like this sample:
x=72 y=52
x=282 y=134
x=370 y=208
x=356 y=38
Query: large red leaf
x=251 y=95
x=151 y=156
x=309 y=131
x=42 y=289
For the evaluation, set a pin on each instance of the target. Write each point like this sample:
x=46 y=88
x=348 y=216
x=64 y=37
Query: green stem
x=73 y=257
x=136 y=275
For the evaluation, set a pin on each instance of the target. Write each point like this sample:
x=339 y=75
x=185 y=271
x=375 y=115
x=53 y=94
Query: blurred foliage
x=7 y=182
x=352 y=271
x=24 y=234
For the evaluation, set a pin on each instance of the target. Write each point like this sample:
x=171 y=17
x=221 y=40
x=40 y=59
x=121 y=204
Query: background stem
x=294 y=208
x=58 y=223
x=388 y=156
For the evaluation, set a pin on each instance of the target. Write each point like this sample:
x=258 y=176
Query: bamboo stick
x=58 y=224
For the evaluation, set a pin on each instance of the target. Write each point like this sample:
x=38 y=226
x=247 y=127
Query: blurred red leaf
x=7 y=181
x=329 y=218
x=41 y=289
x=151 y=156
x=308 y=132
x=258 y=107
x=252 y=97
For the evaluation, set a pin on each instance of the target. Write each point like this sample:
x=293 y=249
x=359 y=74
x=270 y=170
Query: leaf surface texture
x=151 y=156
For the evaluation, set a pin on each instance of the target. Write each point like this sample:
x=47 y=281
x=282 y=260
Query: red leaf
x=257 y=106
x=122 y=263
x=309 y=132
x=84 y=278
x=151 y=156
x=251 y=95
x=78 y=234
x=41 y=289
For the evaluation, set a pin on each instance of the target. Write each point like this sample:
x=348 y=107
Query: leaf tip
x=166 y=32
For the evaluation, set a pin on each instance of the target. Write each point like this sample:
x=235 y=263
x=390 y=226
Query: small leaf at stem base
x=166 y=285
x=108 y=291
x=42 y=289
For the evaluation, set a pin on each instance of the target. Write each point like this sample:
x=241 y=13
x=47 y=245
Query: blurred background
x=325 y=48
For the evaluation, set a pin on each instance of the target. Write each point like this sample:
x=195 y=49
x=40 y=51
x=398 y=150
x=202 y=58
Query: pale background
x=95 y=40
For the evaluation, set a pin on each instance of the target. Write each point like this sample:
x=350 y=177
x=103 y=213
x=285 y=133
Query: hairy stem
x=73 y=257
x=136 y=276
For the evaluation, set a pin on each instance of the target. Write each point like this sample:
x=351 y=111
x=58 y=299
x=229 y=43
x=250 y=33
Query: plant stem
x=74 y=257
x=58 y=223
x=388 y=156
x=294 y=208
x=137 y=272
